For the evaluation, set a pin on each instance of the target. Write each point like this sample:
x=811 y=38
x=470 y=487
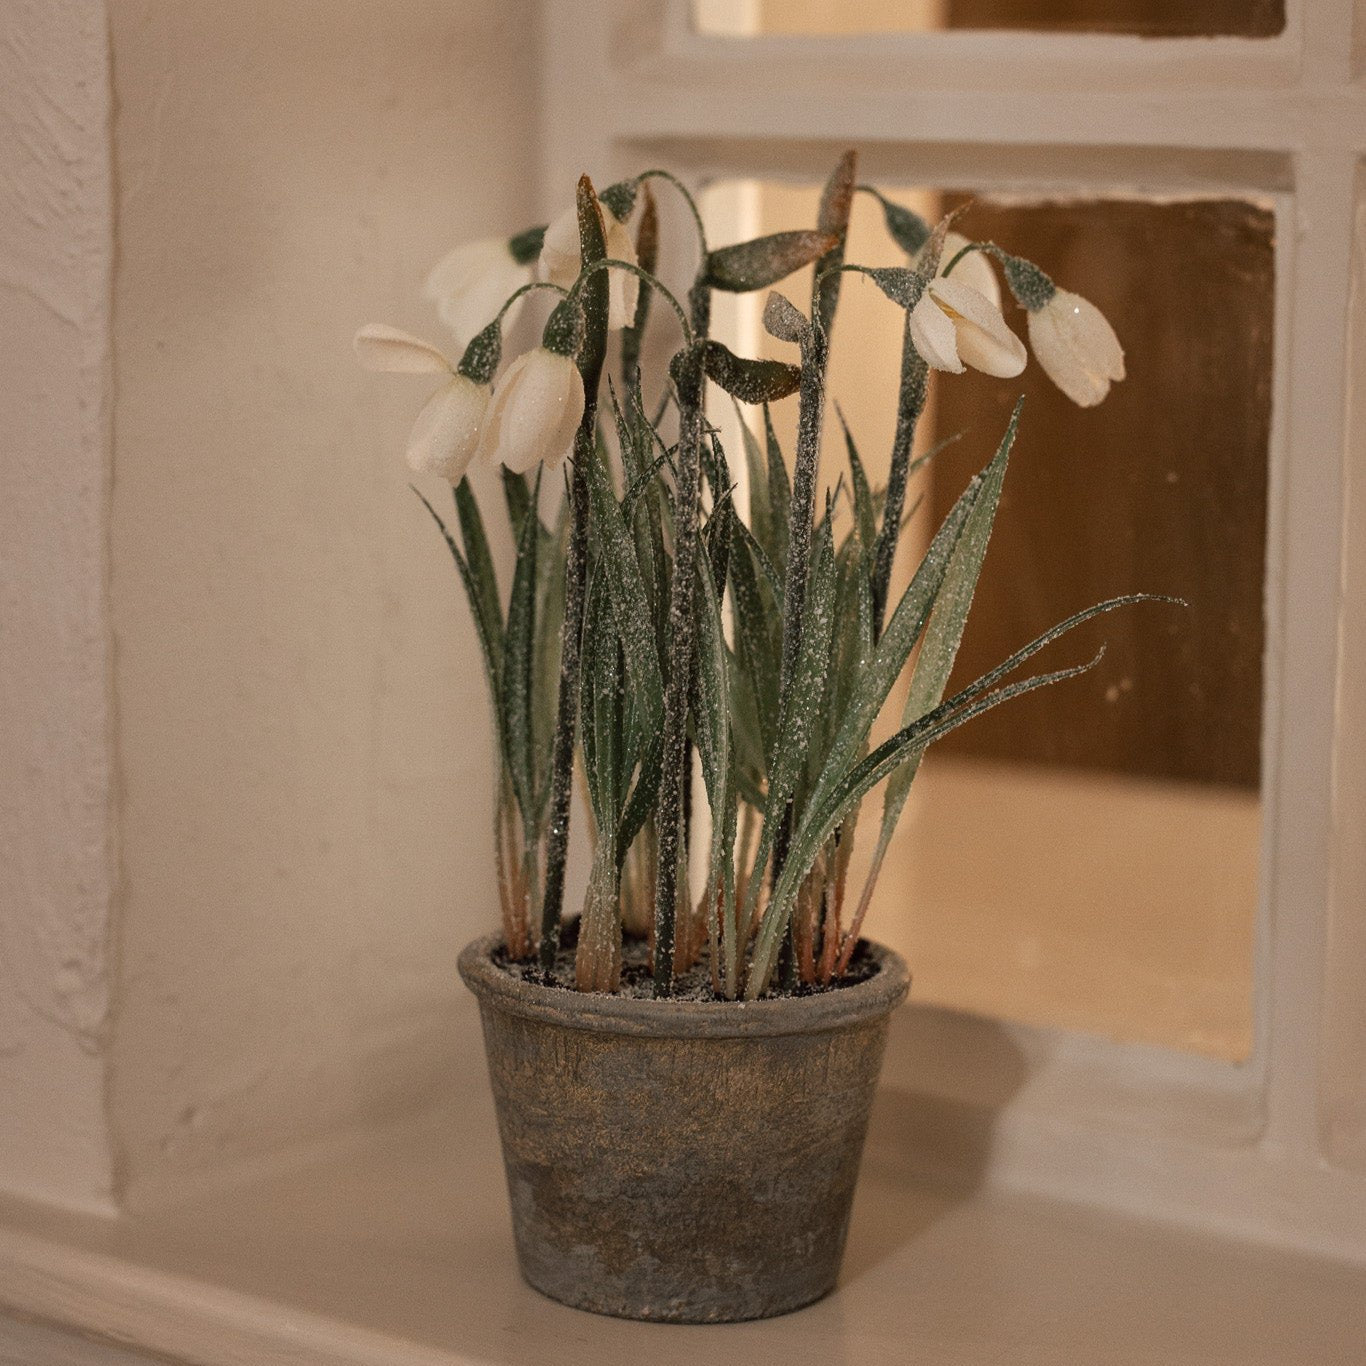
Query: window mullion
x=1303 y=608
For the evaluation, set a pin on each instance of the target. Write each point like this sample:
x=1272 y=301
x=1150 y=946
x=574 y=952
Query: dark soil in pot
x=689 y=1161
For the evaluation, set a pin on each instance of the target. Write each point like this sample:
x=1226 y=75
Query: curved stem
x=963 y=251
x=659 y=174
x=655 y=283
x=526 y=289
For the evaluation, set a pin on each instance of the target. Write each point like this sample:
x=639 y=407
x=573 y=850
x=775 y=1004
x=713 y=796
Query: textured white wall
x=56 y=862
x=303 y=732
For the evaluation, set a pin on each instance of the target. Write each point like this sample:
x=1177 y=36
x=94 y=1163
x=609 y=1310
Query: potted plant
x=683 y=1073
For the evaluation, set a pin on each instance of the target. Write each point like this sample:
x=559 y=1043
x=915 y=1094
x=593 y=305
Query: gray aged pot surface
x=689 y=1162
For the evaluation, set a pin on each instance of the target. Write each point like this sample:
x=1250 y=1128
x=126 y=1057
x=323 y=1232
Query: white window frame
x=1275 y=1147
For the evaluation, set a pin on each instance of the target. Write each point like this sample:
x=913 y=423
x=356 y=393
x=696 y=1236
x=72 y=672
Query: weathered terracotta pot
x=690 y=1162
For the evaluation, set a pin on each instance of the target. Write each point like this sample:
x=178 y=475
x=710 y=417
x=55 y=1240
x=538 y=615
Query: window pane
x=1147 y=18
x=1087 y=857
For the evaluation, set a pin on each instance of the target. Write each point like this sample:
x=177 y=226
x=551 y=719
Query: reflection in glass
x=1088 y=857
x=1145 y=18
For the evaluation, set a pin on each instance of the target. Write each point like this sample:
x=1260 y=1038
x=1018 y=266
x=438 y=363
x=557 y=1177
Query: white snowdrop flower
x=535 y=411
x=974 y=269
x=561 y=261
x=470 y=284
x=1076 y=346
x=445 y=436
x=953 y=326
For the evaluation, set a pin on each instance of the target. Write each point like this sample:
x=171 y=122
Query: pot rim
x=824 y=1012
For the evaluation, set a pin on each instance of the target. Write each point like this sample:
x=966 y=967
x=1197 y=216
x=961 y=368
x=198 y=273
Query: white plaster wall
x=56 y=864
x=304 y=742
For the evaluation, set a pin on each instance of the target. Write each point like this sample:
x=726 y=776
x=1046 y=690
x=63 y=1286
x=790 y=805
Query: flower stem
x=910 y=404
x=659 y=174
x=593 y=243
x=672 y=779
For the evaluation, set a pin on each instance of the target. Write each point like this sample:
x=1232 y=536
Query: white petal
x=984 y=340
x=463 y=267
x=1076 y=347
x=446 y=434
x=973 y=270
x=468 y=313
x=535 y=410
x=381 y=347
x=561 y=440
x=1092 y=333
x=934 y=337
x=623 y=287
x=560 y=251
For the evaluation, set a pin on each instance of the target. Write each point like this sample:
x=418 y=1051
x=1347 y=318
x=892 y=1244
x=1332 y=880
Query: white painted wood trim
x=58 y=856
x=1282 y=121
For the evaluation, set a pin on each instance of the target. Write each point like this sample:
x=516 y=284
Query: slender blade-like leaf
x=821 y=818
x=944 y=633
x=779 y=493
x=517 y=661
x=490 y=644
x=630 y=608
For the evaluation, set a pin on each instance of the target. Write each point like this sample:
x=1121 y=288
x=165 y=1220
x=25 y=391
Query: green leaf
x=756 y=613
x=490 y=638
x=821 y=818
x=785 y=321
x=837 y=199
x=903 y=629
x=631 y=614
x=550 y=606
x=779 y=493
x=477 y=553
x=718 y=530
x=750 y=381
x=944 y=633
x=711 y=687
x=602 y=711
x=864 y=515
x=517 y=496
x=799 y=711
x=760 y=511
x=517 y=680
x=907 y=229
x=764 y=261
x=641 y=504
x=902 y=285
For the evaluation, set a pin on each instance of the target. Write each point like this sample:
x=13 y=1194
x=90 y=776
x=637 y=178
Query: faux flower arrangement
x=648 y=616
x=695 y=1159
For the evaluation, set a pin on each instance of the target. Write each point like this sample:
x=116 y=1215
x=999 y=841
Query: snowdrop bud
x=561 y=260
x=445 y=436
x=953 y=326
x=535 y=411
x=470 y=284
x=1076 y=346
x=974 y=269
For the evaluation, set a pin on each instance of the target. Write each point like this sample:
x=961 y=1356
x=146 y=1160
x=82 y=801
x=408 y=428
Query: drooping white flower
x=445 y=436
x=535 y=411
x=561 y=260
x=974 y=269
x=470 y=284
x=1076 y=346
x=953 y=326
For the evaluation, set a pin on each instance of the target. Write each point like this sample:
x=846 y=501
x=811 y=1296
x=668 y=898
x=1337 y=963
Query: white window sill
x=398 y=1253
